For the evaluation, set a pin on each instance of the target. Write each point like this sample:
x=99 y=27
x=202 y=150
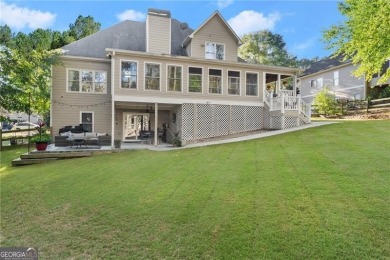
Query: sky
x=299 y=22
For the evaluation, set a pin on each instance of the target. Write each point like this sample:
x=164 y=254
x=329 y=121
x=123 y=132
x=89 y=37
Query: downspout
x=112 y=98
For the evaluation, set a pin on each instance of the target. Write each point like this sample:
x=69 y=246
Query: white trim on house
x=208 y=62
x=208 y=81
x=120 y=74
x=258 y=83
x=167 y=78
x=69 y=57
x=80 y=70
x=216 y=43
x=188 y=79
x=163 y=100
x=160 y=74
x=93 y=118
x=239 y=82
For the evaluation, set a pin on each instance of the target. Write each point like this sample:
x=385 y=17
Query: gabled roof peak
x=218 y=14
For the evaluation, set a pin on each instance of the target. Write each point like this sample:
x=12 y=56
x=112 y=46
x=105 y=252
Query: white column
x=282 y=102
x=155 y=124
x=113 y=121
x=271 y=101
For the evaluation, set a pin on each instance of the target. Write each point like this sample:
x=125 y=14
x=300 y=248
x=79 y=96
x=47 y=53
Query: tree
x=41 y=39
x=325 y=102
x=25 y=79
x=264 y=47
x=305 y=63
x=364 y=37
x=83 y=27
x=5 y=35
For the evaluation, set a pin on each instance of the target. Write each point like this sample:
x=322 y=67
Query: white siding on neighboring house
x=339 y=80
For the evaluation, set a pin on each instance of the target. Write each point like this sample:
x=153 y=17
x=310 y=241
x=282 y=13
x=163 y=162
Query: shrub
x=325 y=102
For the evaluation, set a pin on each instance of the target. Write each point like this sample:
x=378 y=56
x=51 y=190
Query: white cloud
x=250 y=21
x=224 y=3
x=131 y=15
x=19 y=17
x=304 y=45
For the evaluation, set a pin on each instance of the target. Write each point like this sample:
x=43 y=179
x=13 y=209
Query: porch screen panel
x=215 y=81
x=251 y=84
x=195 y=80
x=174 y=78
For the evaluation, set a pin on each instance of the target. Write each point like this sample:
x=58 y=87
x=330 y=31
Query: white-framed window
x=214 y=51
x=313 y=83
x=87 y=81
x=129 y=74
x=195 y=80
x=86 y=118
x=175 y=76
x=233 y=82
x=252 y=84
x=215 y=81
x=152 y=76
x=320 y=82
x=336 y=78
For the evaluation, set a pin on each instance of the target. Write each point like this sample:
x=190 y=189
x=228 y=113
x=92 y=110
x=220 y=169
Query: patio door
x=133 y=124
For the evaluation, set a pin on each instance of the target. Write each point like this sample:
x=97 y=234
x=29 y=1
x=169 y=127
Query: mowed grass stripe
x=318 y=193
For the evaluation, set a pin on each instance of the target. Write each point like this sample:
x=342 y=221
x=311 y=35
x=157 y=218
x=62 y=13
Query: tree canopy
x=364 y=37
x=265 y=47
x=26 y=61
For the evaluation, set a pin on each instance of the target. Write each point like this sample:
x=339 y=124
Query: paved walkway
x=168 y=147
x=242 y=138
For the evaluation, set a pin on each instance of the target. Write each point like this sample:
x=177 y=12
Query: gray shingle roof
x=325 y=64
x=127 y=35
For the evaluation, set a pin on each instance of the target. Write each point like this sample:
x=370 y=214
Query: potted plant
x=176 y=141
x=42 y=138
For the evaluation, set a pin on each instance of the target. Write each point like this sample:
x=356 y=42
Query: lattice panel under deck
x=276 y=122
x=221 y=120
x=238 y=119
x=204 y=118
x=301 y=122
x=290 y=122
x=253 y=118
x=187 y=122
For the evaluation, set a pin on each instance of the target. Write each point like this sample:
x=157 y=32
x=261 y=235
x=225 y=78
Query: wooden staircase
x=44 y=157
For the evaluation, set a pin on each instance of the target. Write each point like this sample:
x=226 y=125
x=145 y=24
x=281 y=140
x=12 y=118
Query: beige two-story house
x=163 y=78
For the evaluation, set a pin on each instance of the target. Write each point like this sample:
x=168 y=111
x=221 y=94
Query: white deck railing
x=286 y=100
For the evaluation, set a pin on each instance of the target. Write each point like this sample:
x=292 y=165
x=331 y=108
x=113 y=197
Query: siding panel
x=66 y=106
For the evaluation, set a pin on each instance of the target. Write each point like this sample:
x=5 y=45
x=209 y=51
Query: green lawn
x=320 y=193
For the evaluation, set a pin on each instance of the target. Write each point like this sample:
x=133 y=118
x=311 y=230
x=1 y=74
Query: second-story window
x=129 y=74
x=251 y=84
x=215 y=51
x=215 y=81
x=152 y=76
x=234 y=82
x=87 y=81
x=174 y=78
x=336 y=78
x=195 y=80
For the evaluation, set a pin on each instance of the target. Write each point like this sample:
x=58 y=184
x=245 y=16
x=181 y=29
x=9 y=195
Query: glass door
x=133 y=124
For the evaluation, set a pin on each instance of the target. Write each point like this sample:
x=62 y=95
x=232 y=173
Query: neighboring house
x=335 y=74
x=162 y=76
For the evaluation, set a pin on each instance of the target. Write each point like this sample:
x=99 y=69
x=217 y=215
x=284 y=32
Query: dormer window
x=215 y=51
